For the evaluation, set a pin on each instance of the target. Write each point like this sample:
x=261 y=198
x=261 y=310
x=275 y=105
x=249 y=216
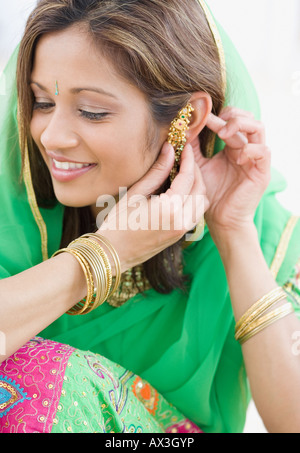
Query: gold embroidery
x=34 y=206
x=215 y=32
x=283 y=246
x=133 y=282
x=214 y=29
x=13 y=393
x=199 y=229
x=129 y=286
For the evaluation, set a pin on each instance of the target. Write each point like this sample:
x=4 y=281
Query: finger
x=199 y=185
x=216 y=124
x=196 y=204
x=199 y=158
x=184 y=180
x=186 y=210
x=157 y=174
x=260 y=155
x=200 y=191
x=254 y=129
x=181 y=199
x=231 y=112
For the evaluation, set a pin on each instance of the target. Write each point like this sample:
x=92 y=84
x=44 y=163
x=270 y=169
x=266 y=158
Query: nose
x=59 y=133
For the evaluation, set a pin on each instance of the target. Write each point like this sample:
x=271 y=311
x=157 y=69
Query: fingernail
x=189 y=147
x=223 y=132
x=242 y=138
x=166 y=149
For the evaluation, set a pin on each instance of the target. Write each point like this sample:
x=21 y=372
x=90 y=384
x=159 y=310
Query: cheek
x=122 y=150
x=36 y=129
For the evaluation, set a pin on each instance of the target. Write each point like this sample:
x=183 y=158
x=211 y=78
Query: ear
x=202 y=104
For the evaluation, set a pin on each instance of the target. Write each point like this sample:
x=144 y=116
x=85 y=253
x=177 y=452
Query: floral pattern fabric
x=48 y=387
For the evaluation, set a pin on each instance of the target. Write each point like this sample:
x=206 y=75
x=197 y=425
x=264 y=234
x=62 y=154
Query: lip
x=65 y=159
x=69 y=175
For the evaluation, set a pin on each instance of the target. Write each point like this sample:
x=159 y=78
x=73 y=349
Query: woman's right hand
x=141 y=224
x=34 y=285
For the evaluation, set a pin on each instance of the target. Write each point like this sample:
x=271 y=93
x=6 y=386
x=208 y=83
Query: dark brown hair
x=165 y=48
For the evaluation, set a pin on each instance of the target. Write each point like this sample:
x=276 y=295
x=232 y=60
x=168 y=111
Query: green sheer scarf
x=182 y=344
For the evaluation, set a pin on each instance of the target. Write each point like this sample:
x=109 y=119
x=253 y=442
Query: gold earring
x=177 y=136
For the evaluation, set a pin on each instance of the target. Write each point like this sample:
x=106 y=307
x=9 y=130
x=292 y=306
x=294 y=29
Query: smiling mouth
x=70 y=165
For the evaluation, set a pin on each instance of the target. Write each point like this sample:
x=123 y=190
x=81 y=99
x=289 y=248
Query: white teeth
x=69 y=165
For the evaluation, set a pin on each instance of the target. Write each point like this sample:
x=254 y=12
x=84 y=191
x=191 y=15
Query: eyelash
x=42 y=105
x=93 y=116
x=88 y=115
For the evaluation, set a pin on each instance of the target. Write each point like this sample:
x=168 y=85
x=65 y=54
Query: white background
x=267 y=35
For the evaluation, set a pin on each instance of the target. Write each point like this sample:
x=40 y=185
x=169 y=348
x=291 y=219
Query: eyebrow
x=79 y=90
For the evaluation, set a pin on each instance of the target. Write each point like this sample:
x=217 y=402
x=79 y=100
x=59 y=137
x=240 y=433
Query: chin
x=73 y=201
x=73 y=205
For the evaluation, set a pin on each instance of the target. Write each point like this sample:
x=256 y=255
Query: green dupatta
x=182 y=344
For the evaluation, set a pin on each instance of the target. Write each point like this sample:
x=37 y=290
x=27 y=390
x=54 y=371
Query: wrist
x=234 y=240
x=247 y=272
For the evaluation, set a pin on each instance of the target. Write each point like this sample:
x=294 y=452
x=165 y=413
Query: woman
x=99 y=84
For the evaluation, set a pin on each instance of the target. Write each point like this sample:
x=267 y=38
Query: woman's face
x=90 y=125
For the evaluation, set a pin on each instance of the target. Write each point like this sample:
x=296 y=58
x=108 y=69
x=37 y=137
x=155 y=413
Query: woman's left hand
x=237 y=177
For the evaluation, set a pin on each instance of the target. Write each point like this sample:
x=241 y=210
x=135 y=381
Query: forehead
x=71 y=57
x=70 y=50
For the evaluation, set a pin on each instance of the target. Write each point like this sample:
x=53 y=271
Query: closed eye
x=92 y=116
x=42 y=105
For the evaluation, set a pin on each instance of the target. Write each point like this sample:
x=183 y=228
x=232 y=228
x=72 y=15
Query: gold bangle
x=104 y=258
x=266 y=321
x=114 y=255
x=260 y=307
x=98 y=272
x=98 y=265
x=81 y=306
